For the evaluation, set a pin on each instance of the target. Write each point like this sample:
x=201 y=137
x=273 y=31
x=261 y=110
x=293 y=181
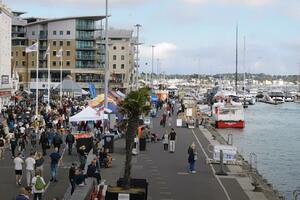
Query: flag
x=47 y=52
x=32 y=48
x=60 y=53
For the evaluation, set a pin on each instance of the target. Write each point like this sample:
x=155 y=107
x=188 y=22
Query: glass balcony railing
x=85 y=37
x=94 y=66
x=85 y=27
x=85 y=57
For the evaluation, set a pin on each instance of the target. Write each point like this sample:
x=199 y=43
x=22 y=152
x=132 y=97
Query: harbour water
x=272 y=132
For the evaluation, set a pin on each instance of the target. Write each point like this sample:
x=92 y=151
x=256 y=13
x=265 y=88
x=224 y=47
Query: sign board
x=189 y=112
x=179 y=122
x=229 y=153
x=4 y=79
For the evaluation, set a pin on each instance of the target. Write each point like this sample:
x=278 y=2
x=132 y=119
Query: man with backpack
x=2 y=147
x=38 y=186
x=57 y=141
x=70 y=139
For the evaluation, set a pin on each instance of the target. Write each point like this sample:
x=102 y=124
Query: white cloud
x=241 y=2
x=163 y=50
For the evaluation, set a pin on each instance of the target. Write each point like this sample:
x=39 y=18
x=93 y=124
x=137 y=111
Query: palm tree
x=133 y=106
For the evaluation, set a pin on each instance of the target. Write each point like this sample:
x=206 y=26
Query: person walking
x=38 y=186
x=39 y=162
x=165 y=141
x=18 y=162
x=44 y=142
x=172 y=139
x=33 y=139
x=70 y=140
x=2 y=147
x=55 y=159
x=13 y=145
x=72 y=175
x=30 y=165
x=57 y=141
x=192 y=157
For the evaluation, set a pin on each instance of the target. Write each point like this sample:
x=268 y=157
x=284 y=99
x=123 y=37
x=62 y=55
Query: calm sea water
x=272 y=132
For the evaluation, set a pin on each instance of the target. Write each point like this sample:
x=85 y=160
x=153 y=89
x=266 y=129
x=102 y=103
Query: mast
x=236 y=57
x=244 y=65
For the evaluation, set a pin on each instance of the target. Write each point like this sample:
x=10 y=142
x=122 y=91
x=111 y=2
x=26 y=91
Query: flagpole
x=49 y=62
x=61 y=59
x=37 y=82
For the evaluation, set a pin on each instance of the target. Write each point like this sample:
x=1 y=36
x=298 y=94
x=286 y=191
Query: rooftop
x=96 y=18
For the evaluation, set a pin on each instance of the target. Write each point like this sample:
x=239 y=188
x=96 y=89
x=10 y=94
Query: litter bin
x=109 y=143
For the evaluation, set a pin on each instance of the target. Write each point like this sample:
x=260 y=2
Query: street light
x=152 y=63
x=106 y=57
x=137 y=54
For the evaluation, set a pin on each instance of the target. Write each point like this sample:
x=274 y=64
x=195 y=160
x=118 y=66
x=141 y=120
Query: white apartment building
x=121 y=58
x=5 y=55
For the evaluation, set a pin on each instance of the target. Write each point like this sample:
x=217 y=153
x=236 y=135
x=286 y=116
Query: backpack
x=1 y=143
x=39 y=185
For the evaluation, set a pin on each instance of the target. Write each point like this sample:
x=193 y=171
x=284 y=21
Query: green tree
x=133 y=106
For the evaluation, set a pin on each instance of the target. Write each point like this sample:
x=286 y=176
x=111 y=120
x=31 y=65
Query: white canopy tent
x=88 y=114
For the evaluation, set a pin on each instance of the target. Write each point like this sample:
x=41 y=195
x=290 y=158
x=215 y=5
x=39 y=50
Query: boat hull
x=230 y=124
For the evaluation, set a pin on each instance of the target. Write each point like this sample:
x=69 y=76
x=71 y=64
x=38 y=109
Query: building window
x=61 y=63
x=61 y=32
x=54 y=63
x=122 y=66
x=54 y=43
x=68 y=63
x=17 y=63
x=114 y=57
x=32 y=42
x=12 y=53
x=115 y=48
x=17 y=54
x=114 y=66
x=54 y=32
x=68 y=43
x=23 y=63
x=123 y=48
x=24 y=53
x=61 y=43
x=32 y=63
x=122 y=57
x=54 y=53
x=33 y=33
x=68 y=53
x=68 y=32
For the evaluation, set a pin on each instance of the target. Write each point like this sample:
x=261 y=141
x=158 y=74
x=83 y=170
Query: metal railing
x=85 y=57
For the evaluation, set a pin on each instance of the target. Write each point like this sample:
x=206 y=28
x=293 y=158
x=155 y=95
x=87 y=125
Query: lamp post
x=137 y=55
x=152 y=63
x=106 y=56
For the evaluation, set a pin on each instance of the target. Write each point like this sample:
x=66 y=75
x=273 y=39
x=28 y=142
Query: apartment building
x=5 y=55
x=75 y=36
x=121 y=58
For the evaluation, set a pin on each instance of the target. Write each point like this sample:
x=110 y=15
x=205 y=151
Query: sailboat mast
x=236 y=57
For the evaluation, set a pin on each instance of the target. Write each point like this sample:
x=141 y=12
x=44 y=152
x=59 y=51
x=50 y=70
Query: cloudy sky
x=197 y=36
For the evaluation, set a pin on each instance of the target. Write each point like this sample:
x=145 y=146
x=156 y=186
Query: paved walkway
x=167 y=173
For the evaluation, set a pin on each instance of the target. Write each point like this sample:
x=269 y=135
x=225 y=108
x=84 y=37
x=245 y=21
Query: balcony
x=86 y=27
x=90 y=48
x=93 y=66
x=82 y=37
x=43 y=37
x=85 y=57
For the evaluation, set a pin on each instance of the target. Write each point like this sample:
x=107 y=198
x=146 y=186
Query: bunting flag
x=47 y=52
x=32 y=48
x=60 y=53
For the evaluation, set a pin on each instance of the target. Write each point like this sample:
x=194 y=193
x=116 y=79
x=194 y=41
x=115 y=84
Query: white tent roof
x=88 y=114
